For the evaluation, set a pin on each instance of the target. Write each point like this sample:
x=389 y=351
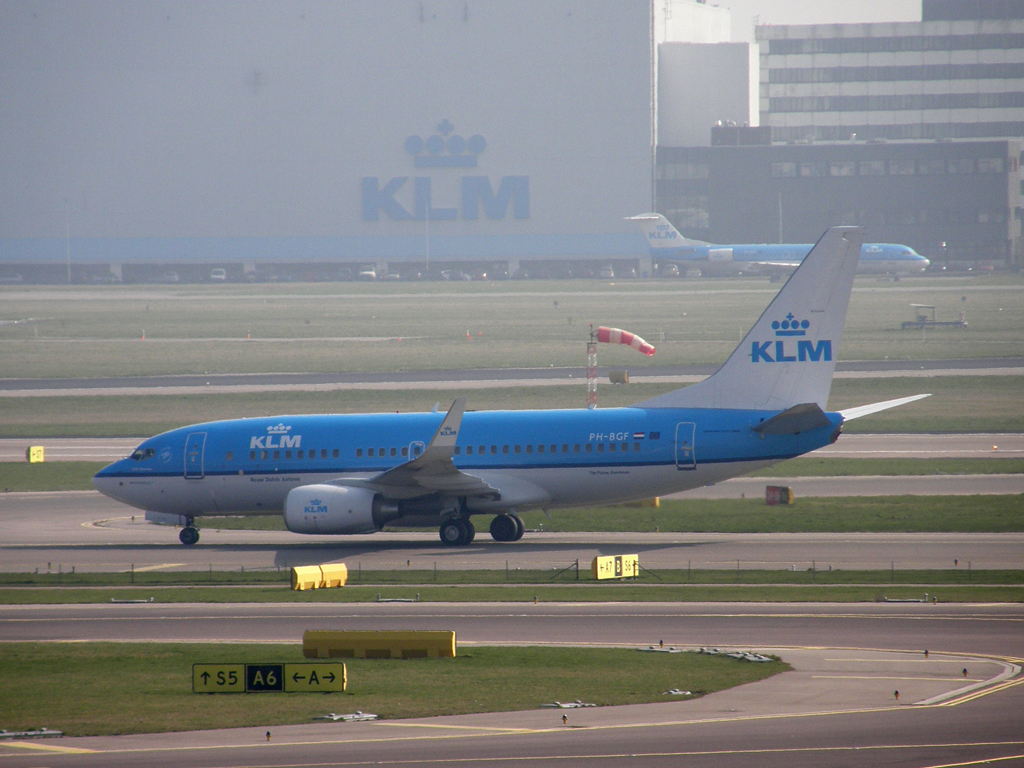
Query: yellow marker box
x=35 y=454
x=325 y=677
x=218 y=678
x=615 y=567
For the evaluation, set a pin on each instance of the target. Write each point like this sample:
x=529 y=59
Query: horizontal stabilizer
x=867 y=410
x=795 y=420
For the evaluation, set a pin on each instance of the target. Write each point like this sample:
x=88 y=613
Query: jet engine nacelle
x=333 y=509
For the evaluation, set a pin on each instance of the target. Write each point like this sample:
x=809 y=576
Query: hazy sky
x=815 y=12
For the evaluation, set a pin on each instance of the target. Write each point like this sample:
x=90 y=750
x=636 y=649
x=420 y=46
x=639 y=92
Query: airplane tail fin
x=661 y=235
x=788 y=357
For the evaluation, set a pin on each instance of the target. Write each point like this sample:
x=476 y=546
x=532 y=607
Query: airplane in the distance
x=669 y=247
x=348 y=474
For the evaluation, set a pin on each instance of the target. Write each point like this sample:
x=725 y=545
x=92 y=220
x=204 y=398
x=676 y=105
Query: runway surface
x=1004 y=445
x=837 y=708
x=90 y=532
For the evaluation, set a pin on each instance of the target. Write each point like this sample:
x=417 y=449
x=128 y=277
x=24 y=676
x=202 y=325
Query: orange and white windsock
x=617 y=336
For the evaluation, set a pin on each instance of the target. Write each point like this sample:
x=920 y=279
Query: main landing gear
x=507 y=528
x=189 y=535
x=457 y=531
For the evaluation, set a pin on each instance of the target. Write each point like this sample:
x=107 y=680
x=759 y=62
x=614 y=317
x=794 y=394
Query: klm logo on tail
x=784 y=350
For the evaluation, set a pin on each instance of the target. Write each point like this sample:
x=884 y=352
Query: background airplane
x=668 y=246
x=344 y=474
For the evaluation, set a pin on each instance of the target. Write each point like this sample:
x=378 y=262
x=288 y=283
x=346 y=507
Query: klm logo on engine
x=276 y=437
x=788 y=347
x=315 y=507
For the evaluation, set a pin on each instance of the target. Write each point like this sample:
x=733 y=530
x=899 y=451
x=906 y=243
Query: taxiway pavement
x=837 y=707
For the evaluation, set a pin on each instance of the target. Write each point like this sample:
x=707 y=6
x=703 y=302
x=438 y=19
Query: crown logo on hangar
x=445 y=149
x=791 y=326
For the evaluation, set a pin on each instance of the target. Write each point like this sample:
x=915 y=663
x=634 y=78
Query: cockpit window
x=141 y=454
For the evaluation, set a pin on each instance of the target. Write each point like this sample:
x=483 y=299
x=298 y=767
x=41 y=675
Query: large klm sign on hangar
x=467 y=196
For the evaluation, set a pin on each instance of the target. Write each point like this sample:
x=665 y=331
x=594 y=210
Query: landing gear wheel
x=457 y=532
x=189 y=536
x=520 y=528
x=452 y=532
x=504 y=528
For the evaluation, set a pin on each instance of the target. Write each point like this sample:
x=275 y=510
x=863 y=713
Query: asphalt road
x=837 y=708
x=89 y=532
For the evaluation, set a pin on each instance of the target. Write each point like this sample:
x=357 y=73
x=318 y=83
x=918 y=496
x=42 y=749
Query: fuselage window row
x=404 y=451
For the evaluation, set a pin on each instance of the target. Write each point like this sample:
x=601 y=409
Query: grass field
x=86 y=689
x=957 y=404
x=878 y=514
x=91 y=331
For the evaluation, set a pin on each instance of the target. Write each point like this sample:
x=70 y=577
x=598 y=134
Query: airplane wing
x=432 y=471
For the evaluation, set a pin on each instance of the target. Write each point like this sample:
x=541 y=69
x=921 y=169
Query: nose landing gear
x=189 y=535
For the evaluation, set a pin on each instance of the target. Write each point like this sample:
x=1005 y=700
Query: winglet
x=447 y=434
x=867 y=410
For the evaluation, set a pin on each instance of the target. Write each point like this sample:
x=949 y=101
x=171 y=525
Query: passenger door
x=195 y=447
x=685 y=457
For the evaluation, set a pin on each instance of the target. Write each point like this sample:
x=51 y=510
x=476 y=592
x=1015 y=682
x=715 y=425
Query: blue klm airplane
x=346 y=474
x=668 y=246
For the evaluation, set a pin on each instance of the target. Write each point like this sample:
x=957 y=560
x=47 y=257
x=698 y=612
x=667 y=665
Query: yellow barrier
x=319 y=576
x=777 y=494
x=334 y=575
x=615 y=567
x=383 y=644
x=618 y=377
x=306 y=577
x=35 y=454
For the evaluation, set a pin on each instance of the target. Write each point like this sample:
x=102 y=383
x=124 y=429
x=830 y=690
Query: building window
x=813 y=170
x=990 y=165
x=783 y=170
x=901 y=167
x=872 y=168
x=689 y=211
x=843 y=168
x=964 y=165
